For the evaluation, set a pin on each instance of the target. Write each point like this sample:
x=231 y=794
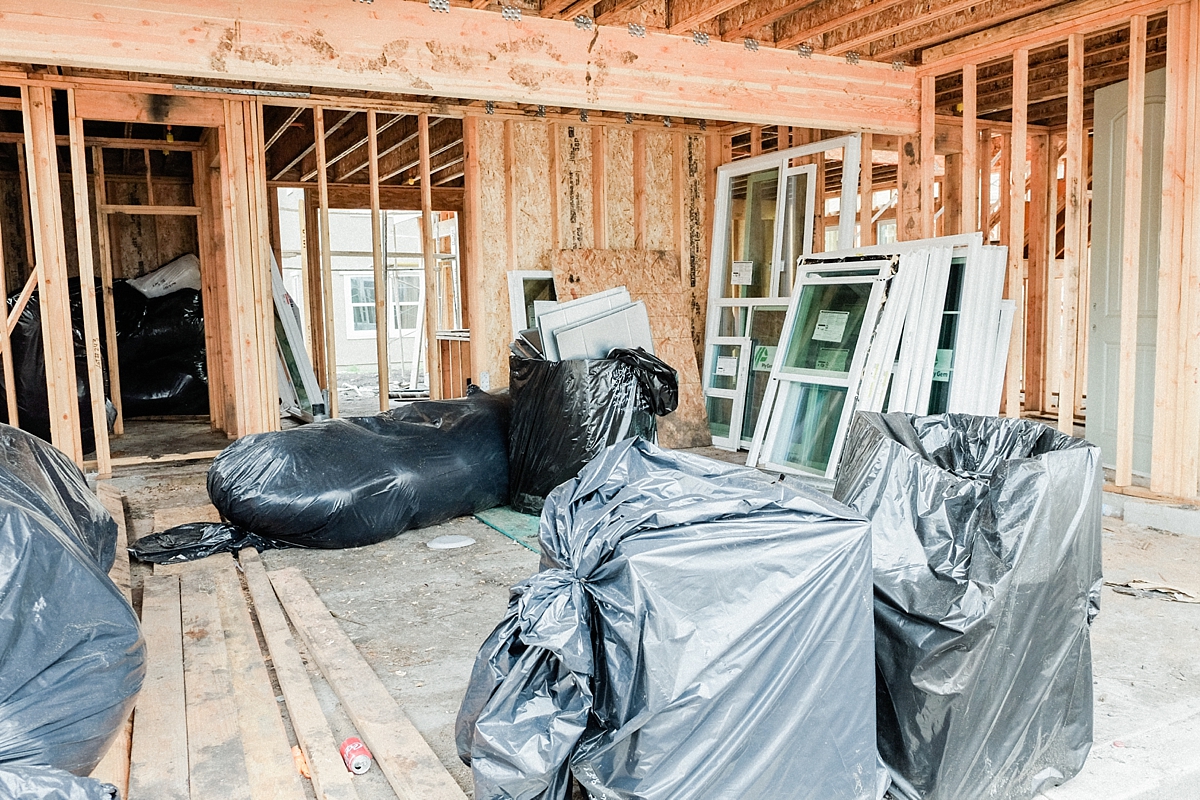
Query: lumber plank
x=433 y=356
x=158 y=765
x=22 y=300
x=1068 y=390
x=928 y=136
x=1188 y=419
x=867 y=188
x=114 y=767
x=600 y=186
x=330 y=778
x=326 y=263
x=406 y=759
x=1131 y=250
x=10 y=387
x=216 y=759
x=970 y=150
x=104 y=243
x=272 y=770
x=165 y=518
x=639 y=190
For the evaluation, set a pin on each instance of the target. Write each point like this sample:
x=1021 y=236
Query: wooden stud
x=428 y=248
x=756 y=140
x=276 y=233
x=215 y=312
x=1005 y=175
x=970 y=157
x=1018 y=149
x=1073 y=247
x=928 y=135
x=331 y=376
x=1188 y=416
x=639 y=189
x=26 y=205
x=1037 y=283
x=404 y=757
x=599 y=187
x=553 y=132
x=472 y=230
x=381 y=287
x=331 y=779
x=314 y=292
x=50 y=250
x=951 y=189
x=867 y=186
x=1168 y=364
x=10 y=387
x=14 y=315
x=159 y=754
x=87 y=288
x=1131 y=250
x=908 y=203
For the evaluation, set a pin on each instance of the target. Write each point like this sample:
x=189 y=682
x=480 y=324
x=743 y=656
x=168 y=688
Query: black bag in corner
x=986 y=537
x=566 y=412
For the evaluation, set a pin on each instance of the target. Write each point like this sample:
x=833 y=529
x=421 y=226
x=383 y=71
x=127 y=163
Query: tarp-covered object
x=566 y=412
x=72 y=658
x=986 y=539
x=161 y=349
x=357 y=481
x=47 y=783
x=695 y=632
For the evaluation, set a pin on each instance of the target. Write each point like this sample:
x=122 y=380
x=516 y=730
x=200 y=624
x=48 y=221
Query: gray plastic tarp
x=986 y=539
x=695 y=631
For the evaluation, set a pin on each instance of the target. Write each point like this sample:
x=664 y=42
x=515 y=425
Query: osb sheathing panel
x=619 y=172
x=696 y=224
x=660 y=193
x=493 y=328
x=653 y=277
x=575 y=187
x=142 y=244
x=532 y=187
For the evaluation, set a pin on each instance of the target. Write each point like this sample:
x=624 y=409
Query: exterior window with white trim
x=360 y=306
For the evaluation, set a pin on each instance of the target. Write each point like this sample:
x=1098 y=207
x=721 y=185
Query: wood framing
x=1131 y=250
x=380 y=269
x=1073 y=248
x=6 y=356
x=970 y=154
x=330 y=343
x=432 y=349
x=1016 y=231
x=394 y=48
x=928 y=135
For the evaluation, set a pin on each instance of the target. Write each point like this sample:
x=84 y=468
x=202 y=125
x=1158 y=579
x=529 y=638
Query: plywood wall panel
x=660 y=192
x=651 y=276
x=619 y=172
x=696 y=224
x=575 y=187
x=490 y=326
x=532 y=196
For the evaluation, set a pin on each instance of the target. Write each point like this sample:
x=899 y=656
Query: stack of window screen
x=916 y=327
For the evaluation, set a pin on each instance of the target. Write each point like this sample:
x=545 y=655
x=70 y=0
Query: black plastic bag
x=564 y=414
x=986 y=535
x=47 y=783
x=357 y=481
x=161 y=348
x=695 y=632
x=196 y=540
x=72 y=658
x=659 y=380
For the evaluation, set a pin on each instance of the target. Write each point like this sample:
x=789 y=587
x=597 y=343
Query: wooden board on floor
x=159 y=757
x=216 y=760
x=330 y=779
x=406 y=759
x=272 y=770
x=114 y=767
x=653 y=277
x=165 y=518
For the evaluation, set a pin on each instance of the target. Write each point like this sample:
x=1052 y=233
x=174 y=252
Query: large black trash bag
x=72 y=658
x=357 y=481
x=986 y=537
x=29 y=370
x=566 y=412
x=47 y=783
x=695 y=632
x=161 y=347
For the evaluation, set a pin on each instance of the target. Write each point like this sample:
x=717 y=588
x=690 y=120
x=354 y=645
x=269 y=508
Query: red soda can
x=356 y=755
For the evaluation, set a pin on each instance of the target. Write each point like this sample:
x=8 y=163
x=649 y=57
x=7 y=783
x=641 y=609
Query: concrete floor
x=419 y=616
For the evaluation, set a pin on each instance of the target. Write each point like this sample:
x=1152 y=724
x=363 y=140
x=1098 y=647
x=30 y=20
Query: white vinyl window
x=404 y=303
x=360 y=306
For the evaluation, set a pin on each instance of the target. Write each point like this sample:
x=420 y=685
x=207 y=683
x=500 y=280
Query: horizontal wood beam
x=816 y=21
x=1081 y=16
x=686 y=15
x=392 y=198
x=611 y=10
x=395 y=48
x=151 y=211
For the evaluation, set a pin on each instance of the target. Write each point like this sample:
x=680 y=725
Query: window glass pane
x=536 y=289
x=720 y=415
x=795 y=217
x=766 y=326
x=808 y=425
x=828 y=324
x=364 y=318
x=408 y=317
x=943 y=364
x=751 y=234
x=733 y=322
x=724 y=367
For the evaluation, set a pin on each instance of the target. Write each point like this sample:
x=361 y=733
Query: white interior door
x=1104 y=335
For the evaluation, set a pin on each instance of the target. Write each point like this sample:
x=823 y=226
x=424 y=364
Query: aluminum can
x=356 y=755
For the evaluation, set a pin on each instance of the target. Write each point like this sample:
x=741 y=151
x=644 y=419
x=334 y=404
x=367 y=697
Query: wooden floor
x=207 y=723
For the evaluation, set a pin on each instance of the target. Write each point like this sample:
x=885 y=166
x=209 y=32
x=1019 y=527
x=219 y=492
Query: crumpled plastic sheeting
x=195 y=540
x=357 y=481
x=564 y=414
x=987 y=576
x=72 y=657
x=47 y=783
x=695 y=632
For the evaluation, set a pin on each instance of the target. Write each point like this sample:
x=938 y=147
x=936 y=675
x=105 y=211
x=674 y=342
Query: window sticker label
x=831 y=326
